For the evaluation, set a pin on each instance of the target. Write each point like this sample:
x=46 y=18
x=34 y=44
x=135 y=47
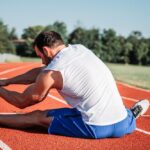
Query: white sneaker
x=140 y=108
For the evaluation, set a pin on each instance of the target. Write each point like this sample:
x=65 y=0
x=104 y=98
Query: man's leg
x=21 y=121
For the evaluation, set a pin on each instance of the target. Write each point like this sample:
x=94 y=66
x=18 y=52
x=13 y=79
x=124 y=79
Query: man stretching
x=85 y=83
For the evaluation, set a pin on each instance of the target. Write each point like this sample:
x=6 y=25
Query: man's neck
x=58 y=49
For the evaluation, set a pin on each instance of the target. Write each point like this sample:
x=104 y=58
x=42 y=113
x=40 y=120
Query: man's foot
x=140 y=108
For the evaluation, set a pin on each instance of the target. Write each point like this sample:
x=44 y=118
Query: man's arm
x=35 y=92
x=26 y=78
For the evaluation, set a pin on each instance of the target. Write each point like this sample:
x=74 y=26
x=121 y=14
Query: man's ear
x=46 y=50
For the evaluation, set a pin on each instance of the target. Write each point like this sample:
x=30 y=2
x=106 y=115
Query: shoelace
x=136 y=110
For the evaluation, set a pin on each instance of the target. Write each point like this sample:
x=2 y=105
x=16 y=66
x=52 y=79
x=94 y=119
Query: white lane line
x=129 y=99
x=14 y=69
x=133 y=87
x=145 y=115
x=3 y=146
x=3 y=113
x=57 y=99
x=143 y=131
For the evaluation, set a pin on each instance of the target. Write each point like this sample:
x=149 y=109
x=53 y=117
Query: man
x=85 y=83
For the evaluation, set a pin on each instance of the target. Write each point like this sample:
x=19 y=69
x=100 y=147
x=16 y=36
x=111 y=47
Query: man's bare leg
x=21 y=121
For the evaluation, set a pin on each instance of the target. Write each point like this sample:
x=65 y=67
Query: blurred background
x=116 y=31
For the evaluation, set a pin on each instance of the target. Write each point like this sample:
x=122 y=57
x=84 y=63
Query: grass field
x=134 y=75
x=29 y=59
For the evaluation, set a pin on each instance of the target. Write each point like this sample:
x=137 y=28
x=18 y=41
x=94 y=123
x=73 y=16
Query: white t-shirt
x=88 y=85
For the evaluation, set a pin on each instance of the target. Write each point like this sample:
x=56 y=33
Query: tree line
x=106 y=44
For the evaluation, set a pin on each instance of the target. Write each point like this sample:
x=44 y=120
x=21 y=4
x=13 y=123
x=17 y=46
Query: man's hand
x=3 y=82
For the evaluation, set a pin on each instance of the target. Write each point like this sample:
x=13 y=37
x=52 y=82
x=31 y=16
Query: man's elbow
x=37 y=98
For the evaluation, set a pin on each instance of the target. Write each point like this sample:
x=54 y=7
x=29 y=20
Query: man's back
x=88 y=85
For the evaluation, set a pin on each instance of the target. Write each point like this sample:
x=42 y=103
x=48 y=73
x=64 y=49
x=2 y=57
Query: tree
x=24 y=48
x=6 y=46
x=142 y=52
x=138 y=47
x=89 y=38
x=12 y=34
x=136 y=34
x=78 y=36
x=148 y=54
x=32 y=32
x=111 y=48
x=29 y=34
x=127 y=48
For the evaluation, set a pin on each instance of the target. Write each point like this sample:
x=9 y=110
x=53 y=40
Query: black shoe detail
x=136 y=110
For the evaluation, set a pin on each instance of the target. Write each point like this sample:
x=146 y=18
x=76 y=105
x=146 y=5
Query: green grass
x=134 y=75
x=29 y=59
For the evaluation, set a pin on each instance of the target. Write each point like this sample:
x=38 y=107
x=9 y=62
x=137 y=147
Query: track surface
x=38 y=139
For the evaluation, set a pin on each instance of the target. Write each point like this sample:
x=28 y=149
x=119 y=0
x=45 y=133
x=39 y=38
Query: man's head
x=46 y=44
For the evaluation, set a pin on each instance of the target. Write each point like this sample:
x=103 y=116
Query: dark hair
x=51 y=39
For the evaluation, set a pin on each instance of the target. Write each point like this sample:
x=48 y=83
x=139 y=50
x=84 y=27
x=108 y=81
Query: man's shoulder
x=77 y=46
x=52 y=75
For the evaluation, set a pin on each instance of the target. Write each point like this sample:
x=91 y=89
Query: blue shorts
x=68 y=122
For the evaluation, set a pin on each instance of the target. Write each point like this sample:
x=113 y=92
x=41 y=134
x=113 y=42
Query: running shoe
x=140 y=108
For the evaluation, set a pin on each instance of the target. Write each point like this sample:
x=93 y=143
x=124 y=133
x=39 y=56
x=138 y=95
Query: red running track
x=38 y=139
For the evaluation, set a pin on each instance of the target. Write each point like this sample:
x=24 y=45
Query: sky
x=124 y=16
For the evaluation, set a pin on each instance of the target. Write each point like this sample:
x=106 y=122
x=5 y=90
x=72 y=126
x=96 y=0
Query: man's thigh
x=68 y=122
